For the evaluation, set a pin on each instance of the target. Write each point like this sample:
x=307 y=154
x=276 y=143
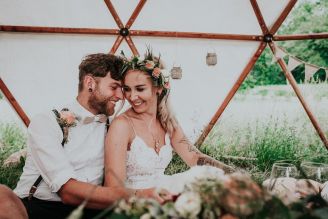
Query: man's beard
x=100 y=104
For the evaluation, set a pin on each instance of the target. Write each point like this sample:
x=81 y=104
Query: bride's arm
x=116 y=144
x=191 y=155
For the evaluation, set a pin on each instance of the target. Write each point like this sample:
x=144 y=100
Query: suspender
x=39 y=179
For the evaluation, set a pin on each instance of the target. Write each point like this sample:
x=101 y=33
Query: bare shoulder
x=120 y=126
x=120 y=120
x=119 y=134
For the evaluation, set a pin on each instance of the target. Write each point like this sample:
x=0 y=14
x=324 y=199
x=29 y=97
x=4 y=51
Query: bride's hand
x=161 y=195
x=165 y=195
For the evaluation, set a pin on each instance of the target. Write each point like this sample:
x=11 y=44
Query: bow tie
x=102 y=118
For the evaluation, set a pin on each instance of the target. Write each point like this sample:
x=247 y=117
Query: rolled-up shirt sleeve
x=44 y=141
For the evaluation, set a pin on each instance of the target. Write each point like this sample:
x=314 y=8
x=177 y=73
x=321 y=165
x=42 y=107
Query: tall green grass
x=256 y=149
x=12 y=139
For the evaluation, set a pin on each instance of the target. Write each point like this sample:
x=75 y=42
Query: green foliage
x=249 y=83
x=264 y=72
x=306 y=17
x=9 y=175
x=12 y=139
x=177 y=165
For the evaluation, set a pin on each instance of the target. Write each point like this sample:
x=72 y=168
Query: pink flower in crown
x=68 y=118
x=149 y=64
x=156 y=72
x=167 y=85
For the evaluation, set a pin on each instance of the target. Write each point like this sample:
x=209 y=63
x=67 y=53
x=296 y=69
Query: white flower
x=166 y=79
x=124 y=206
x=165 y=73
x=188 y=204
x=145 y=216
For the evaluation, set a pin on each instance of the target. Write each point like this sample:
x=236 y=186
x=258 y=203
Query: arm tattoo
x=191 y=147
x=204 y=160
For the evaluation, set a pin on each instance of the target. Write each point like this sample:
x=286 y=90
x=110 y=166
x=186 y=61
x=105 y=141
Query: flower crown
x=149 y=64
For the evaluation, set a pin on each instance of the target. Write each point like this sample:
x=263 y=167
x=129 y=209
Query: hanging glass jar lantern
x=176 y=72
x=211 y=59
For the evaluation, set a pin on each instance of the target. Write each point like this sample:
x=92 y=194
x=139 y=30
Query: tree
x=307 y=17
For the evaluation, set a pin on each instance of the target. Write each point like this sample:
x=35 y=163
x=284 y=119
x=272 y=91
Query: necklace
x=156 y=140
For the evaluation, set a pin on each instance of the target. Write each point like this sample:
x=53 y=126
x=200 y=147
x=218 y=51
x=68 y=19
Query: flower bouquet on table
x=208 y=196
x=208 y=193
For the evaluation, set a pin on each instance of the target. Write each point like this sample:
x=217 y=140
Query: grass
x=263 y=92
x=265 y=144
x=12 y=139
x=317 y=92
x=10 y=175
x=273 y=143
x=176 y=166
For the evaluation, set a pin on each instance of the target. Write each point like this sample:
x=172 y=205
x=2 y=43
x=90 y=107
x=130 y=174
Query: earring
x=90 y=89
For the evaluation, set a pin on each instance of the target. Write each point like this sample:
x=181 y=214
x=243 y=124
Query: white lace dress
x=144 y=167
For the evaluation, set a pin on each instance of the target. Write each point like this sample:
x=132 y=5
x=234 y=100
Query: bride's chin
x=138 y=109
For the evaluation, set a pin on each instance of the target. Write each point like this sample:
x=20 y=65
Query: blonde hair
x=165 y=114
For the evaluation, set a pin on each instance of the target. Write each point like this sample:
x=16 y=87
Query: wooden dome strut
x=124 y=32
x=14 y=103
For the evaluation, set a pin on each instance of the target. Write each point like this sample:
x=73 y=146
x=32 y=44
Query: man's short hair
x=99 y=65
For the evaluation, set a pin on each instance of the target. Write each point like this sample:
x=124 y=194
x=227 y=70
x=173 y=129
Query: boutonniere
x=67 y=119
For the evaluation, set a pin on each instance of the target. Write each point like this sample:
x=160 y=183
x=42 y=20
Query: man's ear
x=89 y=83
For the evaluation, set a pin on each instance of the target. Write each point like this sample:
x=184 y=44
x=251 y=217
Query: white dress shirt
x=81 y=158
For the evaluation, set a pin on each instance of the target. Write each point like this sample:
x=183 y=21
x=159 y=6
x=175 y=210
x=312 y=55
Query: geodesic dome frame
x=267 y=37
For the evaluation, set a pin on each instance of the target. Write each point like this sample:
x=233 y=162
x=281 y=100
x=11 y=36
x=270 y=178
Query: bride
x=140 y=141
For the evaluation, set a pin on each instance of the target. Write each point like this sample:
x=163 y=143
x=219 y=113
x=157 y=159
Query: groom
x=65 y=148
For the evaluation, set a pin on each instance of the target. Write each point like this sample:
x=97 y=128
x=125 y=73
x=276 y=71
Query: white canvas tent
x=42 y=43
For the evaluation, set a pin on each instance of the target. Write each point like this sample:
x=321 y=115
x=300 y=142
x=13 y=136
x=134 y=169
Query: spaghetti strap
x=131 y=123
